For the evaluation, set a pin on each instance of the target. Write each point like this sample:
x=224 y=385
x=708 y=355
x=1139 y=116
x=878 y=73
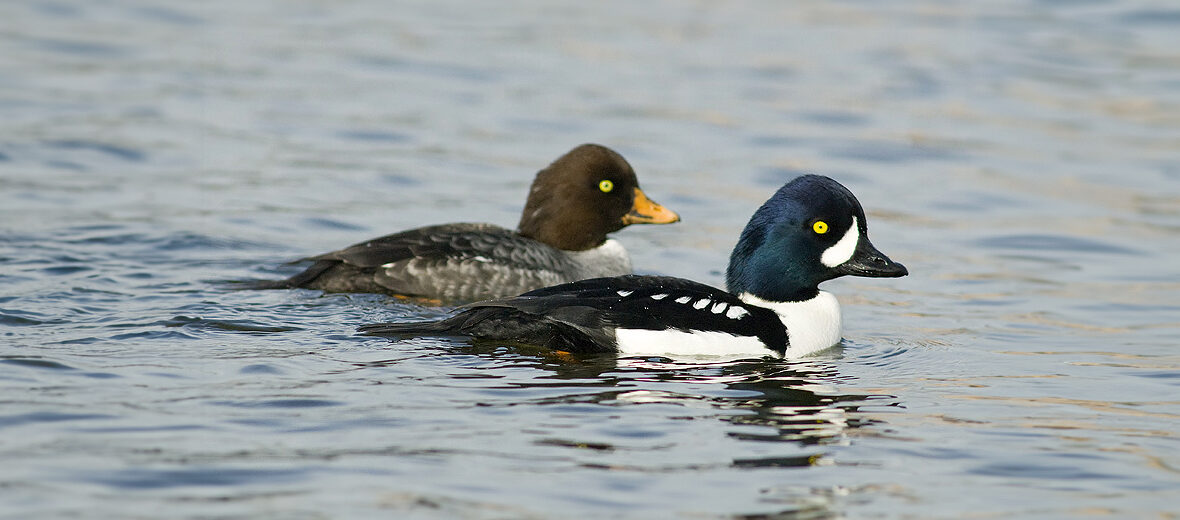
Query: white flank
x=841 y=251
x=812 y=325
x=640 y=342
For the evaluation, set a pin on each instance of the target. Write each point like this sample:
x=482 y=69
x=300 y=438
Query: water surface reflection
x=799 y=403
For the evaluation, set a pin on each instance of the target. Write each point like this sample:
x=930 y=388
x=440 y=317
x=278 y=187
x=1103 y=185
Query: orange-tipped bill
x=646 y=211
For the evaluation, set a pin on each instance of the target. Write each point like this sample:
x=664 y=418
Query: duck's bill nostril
x=868 y=261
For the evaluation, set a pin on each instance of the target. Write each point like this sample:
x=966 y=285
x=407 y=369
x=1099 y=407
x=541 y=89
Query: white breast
x=812 y=325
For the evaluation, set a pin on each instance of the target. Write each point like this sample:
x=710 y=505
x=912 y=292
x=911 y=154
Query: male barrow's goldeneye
x=562 y=236
x=812 y=230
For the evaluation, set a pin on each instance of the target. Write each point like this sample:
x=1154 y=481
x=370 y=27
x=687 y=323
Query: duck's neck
x=608 y=259
x=812 y=325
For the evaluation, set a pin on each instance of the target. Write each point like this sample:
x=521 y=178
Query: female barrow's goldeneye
x=562 y=236
x=812 y=230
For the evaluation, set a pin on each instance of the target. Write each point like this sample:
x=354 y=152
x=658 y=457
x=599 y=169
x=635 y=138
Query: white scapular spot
x=701 y=303
x=719 y=307
x=736 y=313
x=683 y=299
x=660 y=296
x=624 y=293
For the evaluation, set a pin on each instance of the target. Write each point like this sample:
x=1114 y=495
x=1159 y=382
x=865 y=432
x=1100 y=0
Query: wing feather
x=454 y=262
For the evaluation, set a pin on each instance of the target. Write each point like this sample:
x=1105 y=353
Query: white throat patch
x=842 y=251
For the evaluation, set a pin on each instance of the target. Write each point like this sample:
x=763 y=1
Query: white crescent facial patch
x=841 y=251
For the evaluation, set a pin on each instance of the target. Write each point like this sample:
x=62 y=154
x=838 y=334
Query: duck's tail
x=474 y=319
x=299 y=280
x=253 y=285
x=410 y=328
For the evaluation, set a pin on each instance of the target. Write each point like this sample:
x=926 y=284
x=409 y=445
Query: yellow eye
x=820 y=227
x=606 y=185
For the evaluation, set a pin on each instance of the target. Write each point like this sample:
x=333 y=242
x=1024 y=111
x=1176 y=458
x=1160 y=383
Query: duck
x=572 y=207
x=813 y=229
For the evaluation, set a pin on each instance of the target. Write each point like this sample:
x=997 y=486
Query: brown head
x=584 y=195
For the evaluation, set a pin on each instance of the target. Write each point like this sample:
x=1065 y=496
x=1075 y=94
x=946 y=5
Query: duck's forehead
x=836 y=205
x=622 y=172
x=605 y=168
x=834 y=210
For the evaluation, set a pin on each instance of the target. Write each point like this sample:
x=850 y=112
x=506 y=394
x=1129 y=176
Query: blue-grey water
x=1021 y=157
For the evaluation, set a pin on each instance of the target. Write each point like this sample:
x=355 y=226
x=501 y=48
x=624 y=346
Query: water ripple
x=111 y=150
x=1045 y=242
x=34 y=363
x=8 y=421
x=19 y=317
x=280 y=403
x=143 y=478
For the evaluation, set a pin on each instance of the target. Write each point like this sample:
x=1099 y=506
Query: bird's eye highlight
x=606 y=185
x=820 y=227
